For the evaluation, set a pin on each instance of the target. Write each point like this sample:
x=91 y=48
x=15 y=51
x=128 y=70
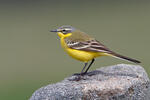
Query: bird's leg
x=89 y=66
x=82 y=70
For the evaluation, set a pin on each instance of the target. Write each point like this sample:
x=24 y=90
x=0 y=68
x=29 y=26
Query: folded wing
x=92 y=45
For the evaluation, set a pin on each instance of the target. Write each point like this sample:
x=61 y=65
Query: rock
x=118 y=82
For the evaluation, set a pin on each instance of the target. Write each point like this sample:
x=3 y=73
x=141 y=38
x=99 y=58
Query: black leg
x=89 y=66
x=84 y=68
x=82 y=72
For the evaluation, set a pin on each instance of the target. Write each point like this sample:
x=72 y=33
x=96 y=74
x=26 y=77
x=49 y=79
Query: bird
x=84 y=48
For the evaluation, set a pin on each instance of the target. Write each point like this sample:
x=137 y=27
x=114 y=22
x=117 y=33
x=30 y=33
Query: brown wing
x=92 y=45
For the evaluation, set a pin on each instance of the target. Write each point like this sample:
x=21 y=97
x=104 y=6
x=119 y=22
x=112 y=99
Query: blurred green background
x=31 y=56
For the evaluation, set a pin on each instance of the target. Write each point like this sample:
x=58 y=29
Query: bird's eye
x=64 y=30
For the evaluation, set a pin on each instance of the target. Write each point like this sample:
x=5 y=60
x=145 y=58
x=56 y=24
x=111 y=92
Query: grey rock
x=118 y=82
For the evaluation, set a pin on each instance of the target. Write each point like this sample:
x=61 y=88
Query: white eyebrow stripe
x=67 y=29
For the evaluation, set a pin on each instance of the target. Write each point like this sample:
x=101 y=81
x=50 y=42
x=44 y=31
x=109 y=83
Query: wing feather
x=92 y=45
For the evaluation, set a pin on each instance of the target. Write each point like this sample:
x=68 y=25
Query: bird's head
x=64 y=31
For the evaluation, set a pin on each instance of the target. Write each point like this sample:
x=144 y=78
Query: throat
x=63 y=43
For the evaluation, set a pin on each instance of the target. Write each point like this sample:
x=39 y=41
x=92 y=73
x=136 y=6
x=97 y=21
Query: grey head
x=64 y=29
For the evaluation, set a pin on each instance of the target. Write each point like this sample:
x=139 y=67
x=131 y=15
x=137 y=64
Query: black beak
x=55 y=30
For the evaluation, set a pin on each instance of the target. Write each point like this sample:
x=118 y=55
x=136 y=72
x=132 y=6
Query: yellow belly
x=82 y=55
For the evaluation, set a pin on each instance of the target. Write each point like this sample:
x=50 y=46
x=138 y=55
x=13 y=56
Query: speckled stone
x=118 y=82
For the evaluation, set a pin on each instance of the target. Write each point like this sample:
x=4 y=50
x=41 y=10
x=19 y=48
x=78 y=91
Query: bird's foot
x=79 y=74
x=76 y=74
x=78 y=77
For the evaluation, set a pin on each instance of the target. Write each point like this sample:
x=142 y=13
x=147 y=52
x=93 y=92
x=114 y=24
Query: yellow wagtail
x=82 y=47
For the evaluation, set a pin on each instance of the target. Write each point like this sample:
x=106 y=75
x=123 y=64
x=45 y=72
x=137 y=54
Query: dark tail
x=125 y=58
